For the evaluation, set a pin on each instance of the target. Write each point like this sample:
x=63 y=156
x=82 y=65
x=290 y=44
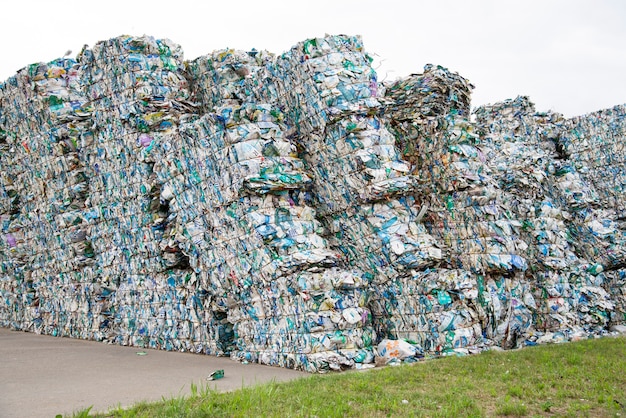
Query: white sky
x=567 y=55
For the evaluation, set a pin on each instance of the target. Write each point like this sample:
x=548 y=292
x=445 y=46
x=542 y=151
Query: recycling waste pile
x=290 y=209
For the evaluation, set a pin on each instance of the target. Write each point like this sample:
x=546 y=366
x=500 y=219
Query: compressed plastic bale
x=230 y=76
x=249 y=151
x=534 y=137
x=388 y=247
x=355 y=150
x=302 y=318
x=279 y=217
x=479 y=231
x=172 y=315
x=323 y=79
x=283 y=71
x=593 y=143
x=386 y=237
x=429 y=114
x=121 y=106
x=596 y=232
x=460 y=312
x=571 y=304
x=523 y=169
x=359 y=157
x=414 y=104
x=436 y=310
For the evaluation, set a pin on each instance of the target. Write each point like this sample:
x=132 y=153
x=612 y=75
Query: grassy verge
x=586 y=378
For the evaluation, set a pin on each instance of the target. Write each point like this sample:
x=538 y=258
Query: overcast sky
x=567 y=55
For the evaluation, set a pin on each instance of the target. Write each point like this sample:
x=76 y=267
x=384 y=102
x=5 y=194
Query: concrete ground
x=41 y=376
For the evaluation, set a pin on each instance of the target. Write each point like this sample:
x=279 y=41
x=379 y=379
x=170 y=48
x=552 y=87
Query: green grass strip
x=585 y=378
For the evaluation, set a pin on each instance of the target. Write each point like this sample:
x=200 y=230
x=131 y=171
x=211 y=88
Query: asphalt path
x=42 y=376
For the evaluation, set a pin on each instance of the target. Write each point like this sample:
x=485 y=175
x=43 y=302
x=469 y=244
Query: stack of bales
x=594 y=232
x=524 y=166
x=591 y=183
x=139 y=98
x=290 y=297
x=292 y=211
x=429 y=115
x=48 y=282
x=321 y=80
x=366 y=193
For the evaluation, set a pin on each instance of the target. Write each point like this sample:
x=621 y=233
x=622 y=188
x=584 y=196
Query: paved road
x=41 y=376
